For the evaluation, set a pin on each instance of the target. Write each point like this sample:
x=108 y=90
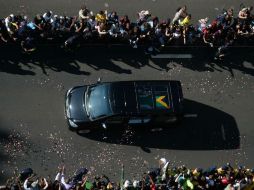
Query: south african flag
x=162 y=102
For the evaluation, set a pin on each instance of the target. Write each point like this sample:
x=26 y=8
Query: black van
x=125 y=102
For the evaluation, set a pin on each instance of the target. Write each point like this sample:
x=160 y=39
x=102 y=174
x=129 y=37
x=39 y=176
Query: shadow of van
x=203 y=128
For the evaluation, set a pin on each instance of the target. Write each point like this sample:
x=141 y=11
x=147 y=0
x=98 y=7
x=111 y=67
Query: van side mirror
x=104 y=126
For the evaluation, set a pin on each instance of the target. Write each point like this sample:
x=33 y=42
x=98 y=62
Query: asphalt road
x=219 y=104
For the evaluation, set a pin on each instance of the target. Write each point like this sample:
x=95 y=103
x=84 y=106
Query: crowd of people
x=163 y=177
x=228 y=28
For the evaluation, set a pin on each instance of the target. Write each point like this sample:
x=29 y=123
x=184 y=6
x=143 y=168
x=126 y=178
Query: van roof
x=142 y=96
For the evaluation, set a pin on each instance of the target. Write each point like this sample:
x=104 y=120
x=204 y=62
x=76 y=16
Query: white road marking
x=190 y=115
x=175 y=56
x=223 y=133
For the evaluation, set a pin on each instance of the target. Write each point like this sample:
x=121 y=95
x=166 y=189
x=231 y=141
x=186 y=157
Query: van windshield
x=97 y=101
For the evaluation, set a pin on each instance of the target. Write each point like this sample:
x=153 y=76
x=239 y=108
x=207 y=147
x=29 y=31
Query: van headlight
x=68 y=92
x=67 y=108
x=72 y=124
x=68 y=114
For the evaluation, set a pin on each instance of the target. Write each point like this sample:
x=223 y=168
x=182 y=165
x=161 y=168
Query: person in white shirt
x=84 y=13
x=28 y=185
x=7 y=22
x=48 y=16
x=61 y=178
x=163 y=165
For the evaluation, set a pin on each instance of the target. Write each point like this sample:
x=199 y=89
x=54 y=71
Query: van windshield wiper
x=86 y=102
